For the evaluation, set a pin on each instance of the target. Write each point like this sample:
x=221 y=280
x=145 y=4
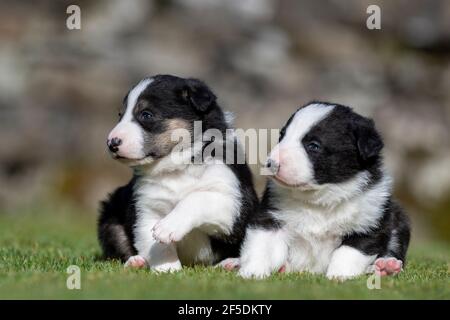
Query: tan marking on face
x=174 y=124
x=165 y=139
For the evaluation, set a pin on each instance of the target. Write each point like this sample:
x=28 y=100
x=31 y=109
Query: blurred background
x=60 y=89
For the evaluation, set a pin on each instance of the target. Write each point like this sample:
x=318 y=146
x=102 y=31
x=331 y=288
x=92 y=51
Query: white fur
x=263 y=252
x=314 y=226
x=179 y=207
x=317 y=223
x=347 y=262
x=129 y=131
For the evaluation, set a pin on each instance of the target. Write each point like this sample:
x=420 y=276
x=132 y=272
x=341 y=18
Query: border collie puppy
x=174 y=211
x=328 y=207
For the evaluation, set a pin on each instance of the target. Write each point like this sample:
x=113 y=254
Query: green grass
x=36 y=249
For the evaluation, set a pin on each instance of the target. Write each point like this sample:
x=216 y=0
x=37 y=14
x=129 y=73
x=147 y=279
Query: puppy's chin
x=300 y=186
x=141 y=162
x=134 y=162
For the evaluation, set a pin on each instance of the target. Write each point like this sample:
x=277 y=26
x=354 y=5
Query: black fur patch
x=263 y=217
x=349 y=144
x=115 y=223
x=389 y=239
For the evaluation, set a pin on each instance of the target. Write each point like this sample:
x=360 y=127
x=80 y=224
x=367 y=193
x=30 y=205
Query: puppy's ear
x=368 y=140
x=198 y=95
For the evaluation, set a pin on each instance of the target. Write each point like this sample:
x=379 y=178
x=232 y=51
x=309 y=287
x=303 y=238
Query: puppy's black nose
x=272 y=165
x=113 y=144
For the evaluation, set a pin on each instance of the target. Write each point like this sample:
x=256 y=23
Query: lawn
x=36 y=248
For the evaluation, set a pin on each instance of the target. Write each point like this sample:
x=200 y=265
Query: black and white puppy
x=174 y=211
x=328 y=207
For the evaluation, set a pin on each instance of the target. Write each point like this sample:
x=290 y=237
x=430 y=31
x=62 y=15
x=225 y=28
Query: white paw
x=254 y=271
x=167 y=267
x=339 y=277
x=168 y=230
x=135 y=262
x=229 y=264
x=342 y=274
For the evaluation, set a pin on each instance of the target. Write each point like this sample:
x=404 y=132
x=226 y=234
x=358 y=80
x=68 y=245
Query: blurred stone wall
x=60 y=89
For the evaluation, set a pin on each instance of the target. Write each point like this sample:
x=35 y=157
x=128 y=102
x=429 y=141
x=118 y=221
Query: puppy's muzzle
x=113 y=144
x=273 y=166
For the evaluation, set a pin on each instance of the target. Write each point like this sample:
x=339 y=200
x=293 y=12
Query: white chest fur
x=314 y=230
x=157 y=195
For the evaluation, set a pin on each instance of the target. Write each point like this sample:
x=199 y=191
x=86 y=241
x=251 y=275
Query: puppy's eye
x=146 y=115
x=313 y=146
x=120 y=115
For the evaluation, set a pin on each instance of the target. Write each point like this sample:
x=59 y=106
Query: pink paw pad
x=388 y=266
x=135 y=262
x=230 y=264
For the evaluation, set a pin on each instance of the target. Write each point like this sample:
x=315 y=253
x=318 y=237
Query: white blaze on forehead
x=305 y=119
x=295 y=167
x=129 y=131
x=133 y=96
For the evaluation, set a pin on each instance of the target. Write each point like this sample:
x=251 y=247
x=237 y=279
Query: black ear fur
x=368 y=139
x=199 y=95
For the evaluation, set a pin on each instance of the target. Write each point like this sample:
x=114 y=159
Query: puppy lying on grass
x=328 y=207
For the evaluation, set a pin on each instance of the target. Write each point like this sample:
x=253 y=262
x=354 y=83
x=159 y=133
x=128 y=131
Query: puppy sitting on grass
x=174 y=211
x=328 y=207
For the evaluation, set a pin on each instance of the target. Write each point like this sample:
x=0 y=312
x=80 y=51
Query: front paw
x=167 y=267
x=136 y=262
x=341 y=275
x=254 y=271
x=229 y=264
x=170 y=230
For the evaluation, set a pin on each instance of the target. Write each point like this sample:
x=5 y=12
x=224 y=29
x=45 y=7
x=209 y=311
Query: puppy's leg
x=229 y=264
x=116 y=215
x=348 y=262
x=158 y=256
x=368 y=246
x=213 y=212
x=164 y=258
x=263 y=252
x=135 y=261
